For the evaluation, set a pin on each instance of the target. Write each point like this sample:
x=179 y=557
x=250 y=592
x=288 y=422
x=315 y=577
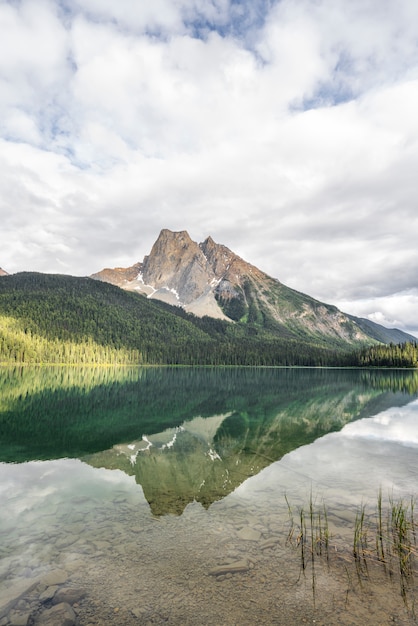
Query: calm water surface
x=164 y=493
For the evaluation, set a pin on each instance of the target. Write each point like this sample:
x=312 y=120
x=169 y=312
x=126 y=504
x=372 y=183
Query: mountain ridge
x=209 y=279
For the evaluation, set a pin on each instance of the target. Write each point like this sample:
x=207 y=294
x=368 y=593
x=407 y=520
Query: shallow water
x=183 y=518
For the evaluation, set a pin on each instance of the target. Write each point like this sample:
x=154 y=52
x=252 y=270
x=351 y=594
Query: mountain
x=209 y=279
x=381 y=333
x=47 y=318
x=3 y=272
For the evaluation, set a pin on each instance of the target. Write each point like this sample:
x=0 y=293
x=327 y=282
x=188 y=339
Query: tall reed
x=388 y=540
x=310 y=534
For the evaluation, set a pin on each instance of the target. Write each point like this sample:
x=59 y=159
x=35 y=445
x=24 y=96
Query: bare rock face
x=227 y=265
x=181 y=272
x=119 y=276
x=185 y=273
x=231 y=272
x=209 y=279
x=195 y=273
x=3 y=272
x=177 y=264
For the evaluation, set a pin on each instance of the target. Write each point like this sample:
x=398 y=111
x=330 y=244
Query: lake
x=213 y=496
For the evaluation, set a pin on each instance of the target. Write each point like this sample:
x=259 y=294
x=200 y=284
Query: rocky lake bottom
x=108 y=569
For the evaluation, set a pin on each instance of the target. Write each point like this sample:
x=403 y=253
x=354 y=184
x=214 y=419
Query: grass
x=385 y=537
x=310 y=534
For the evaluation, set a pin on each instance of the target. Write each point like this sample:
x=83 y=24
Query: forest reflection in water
x=185 y=434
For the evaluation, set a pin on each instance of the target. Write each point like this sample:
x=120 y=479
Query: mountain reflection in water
x=185 y=434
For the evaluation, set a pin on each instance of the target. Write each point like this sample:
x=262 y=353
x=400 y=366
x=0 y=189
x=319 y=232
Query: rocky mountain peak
x=182 y=272
x=208 y=279
x=208 y=244
x=218 y=256
x=227 y=265
x=177 y=264
x=171 y=246
x=171 y=239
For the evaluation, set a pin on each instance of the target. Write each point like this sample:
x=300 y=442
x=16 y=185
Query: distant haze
x=285 y=130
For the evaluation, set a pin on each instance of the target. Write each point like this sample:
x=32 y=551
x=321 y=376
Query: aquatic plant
x=310 y=534
x=387 y=539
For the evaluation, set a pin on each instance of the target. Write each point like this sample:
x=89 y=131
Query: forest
x=63 y=319
x=391 y=355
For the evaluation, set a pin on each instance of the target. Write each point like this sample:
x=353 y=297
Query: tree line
x=62 y=319
x=391 y=355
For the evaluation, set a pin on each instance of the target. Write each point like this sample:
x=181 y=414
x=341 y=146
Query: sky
x=285 y=129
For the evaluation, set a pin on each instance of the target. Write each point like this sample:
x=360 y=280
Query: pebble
x=249 y=534
x=231 y=568
x=56 y=577
x=70 y=595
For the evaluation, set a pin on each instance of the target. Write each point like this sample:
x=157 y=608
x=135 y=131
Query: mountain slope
x=59 y=318
x=209 y=279
x=62 y=319
x=48 y=318
x=381 y=333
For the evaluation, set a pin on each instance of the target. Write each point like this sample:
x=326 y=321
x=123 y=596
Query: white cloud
x=159 y=16
x=286 y=131
x=33 y=69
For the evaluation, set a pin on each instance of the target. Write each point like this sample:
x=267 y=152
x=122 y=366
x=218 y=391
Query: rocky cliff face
x=3 y=272
x=182 y=272
x=177 y=264
x=177 y=271
x=209 y=279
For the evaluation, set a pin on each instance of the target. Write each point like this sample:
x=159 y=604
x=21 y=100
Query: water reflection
x=184 y=434
x=203 y=460
x=347 y=467
x=169 y=437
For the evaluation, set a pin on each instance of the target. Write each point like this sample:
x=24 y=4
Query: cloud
x=33 y=70
x=286 y=130
x=137 y=17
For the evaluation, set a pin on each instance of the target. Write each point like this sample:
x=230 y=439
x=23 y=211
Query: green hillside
x=48 y=318
x=55 y=318
x=282 y=311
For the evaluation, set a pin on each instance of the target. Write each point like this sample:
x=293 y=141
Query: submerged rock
x=270 y=543
x=60 y=615
x=231 y=568
x=56 y=577
x=17 y=618
x=48 y=594
x=10 y=596
x=249 y=534
x=71 y=595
